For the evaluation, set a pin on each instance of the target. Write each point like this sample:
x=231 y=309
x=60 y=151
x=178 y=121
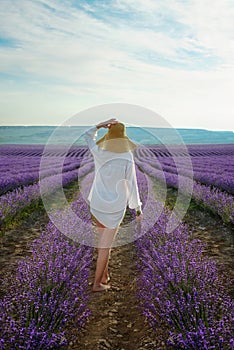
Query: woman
x=114 y=172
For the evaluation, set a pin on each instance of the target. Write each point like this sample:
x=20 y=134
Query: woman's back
x=115 y=184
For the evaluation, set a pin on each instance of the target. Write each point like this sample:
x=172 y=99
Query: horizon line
x=147 y=126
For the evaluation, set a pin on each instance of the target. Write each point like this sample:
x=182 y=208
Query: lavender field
x=179 y=286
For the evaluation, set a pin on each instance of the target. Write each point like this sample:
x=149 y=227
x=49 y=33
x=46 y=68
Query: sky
x=60 y=57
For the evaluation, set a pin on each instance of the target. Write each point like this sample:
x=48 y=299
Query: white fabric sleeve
x=90 y=137
x=134 y=201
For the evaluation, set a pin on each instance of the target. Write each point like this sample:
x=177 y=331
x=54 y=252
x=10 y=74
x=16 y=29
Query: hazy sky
x=59 y=57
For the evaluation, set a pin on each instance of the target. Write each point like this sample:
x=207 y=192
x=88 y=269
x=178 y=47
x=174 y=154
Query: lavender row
x=223 y=180
x=39 y=150
x=48 y=295
x=13 y=202
x=195 y=150
x=27 y=174
x=20 y=164
x=217 y=201
x=219 y=174
x=215 y=149
x=213 y=170
x=217 y=164
x=180 y=291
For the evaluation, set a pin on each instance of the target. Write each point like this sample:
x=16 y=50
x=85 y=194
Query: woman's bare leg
x=102 y=260
x=106 y=237
x=105 y=276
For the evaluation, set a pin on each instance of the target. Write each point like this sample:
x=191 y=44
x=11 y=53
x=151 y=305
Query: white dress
x=115 y=183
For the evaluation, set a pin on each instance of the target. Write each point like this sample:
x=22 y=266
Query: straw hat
x=116 y=139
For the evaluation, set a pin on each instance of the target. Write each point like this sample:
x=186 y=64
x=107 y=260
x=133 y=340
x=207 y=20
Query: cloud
x=212 y=25
x=174 y=56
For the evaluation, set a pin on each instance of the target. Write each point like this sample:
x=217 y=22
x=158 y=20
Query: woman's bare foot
x=105 y=280
x=101 y=287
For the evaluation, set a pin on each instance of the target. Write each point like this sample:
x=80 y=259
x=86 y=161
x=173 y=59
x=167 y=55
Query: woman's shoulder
x=127 y=155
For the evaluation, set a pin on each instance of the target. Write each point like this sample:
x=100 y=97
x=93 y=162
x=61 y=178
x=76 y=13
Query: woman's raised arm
x=90 y=137
x=91 y=134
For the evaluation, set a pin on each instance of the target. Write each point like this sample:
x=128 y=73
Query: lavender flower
x=48 y=295
x=179 y=289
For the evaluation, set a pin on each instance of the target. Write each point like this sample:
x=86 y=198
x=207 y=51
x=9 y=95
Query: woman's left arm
x=90 y=136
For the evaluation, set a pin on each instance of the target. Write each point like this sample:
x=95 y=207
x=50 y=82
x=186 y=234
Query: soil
x=116 y=321
x=14 y=242
x=217 y=236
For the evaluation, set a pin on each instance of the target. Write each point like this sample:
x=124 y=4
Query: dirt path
x=14 y=242
x=116 y=322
